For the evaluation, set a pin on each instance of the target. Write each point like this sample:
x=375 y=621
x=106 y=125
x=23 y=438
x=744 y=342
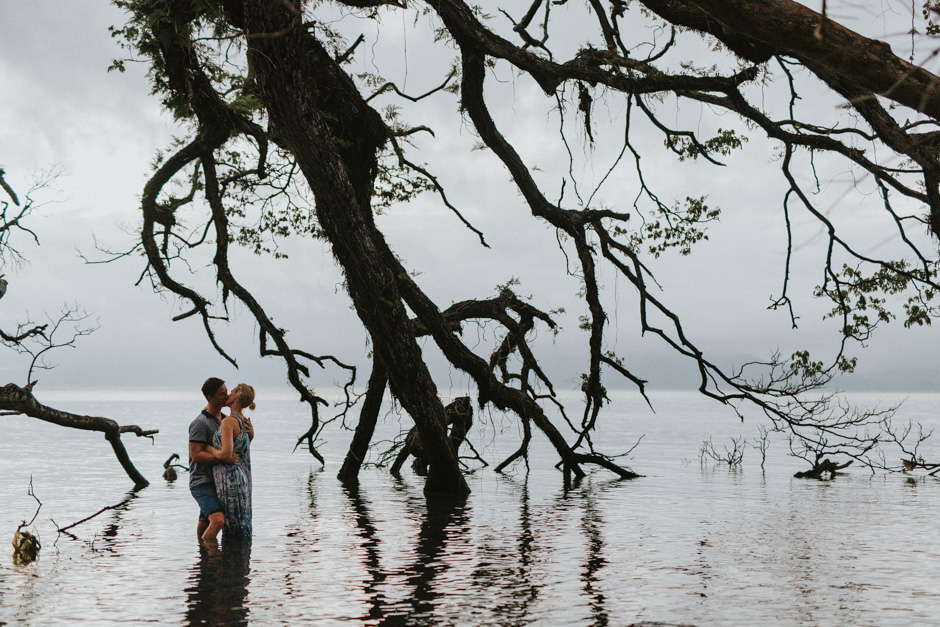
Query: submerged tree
x=37 y=340
x=285 y=139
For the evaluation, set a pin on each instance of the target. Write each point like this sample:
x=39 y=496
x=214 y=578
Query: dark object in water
x=459 y=417
x=25 y=547
x=825 y=469
x=170 y=473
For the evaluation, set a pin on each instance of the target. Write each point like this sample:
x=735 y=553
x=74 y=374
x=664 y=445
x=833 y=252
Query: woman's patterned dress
x=233 y=485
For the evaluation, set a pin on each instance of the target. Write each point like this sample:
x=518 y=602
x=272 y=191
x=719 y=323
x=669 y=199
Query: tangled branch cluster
x=280 y=130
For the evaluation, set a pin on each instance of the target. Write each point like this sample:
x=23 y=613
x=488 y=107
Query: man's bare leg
x=201 y=527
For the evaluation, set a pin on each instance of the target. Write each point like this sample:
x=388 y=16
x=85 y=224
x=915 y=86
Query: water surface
x=687 y=543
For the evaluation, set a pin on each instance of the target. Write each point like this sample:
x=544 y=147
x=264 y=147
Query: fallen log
x=20 y=400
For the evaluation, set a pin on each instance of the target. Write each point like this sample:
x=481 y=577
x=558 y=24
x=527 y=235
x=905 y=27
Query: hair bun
x=251 y=407
x=245 y=394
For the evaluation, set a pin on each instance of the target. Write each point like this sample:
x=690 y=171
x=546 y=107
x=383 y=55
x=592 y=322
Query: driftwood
x=170 y=473
x=821 y=468
x=25 y=545
x=20 y=400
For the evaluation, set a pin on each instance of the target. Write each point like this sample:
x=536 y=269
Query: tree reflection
x=591 y=526
x=444 y=534
x=426 y=562
x=370 y=544
x=511 y=574
x=110 y=532
x=303 y=536
x=220 y=586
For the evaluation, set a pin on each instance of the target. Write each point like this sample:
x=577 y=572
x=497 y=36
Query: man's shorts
x=208 y=501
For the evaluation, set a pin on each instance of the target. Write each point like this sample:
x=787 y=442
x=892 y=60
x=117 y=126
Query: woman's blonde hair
x=245 y=395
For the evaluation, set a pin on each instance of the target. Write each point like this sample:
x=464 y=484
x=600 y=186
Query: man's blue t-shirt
x=201 y=430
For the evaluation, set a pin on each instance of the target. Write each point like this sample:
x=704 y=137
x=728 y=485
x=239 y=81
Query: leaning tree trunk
x=368 y=418
x=317 y=114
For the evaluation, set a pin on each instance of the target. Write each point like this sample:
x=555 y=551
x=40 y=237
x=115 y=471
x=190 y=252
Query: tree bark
x=787 y=27
x=368 y=418
x=316 y=113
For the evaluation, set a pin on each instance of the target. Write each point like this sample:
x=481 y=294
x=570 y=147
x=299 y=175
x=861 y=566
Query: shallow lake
x=688 y=543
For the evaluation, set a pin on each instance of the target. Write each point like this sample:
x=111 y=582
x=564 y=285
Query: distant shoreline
x=53 y=394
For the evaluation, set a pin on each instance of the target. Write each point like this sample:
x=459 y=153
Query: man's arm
x=202 y=453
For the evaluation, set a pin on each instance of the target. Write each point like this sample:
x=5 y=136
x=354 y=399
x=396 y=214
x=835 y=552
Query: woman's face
x=231 y=399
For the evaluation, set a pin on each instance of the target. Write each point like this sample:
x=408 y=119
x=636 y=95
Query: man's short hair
x=211 y=386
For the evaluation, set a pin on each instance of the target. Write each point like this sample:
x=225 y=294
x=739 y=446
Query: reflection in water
x=220 y=586
x=764 y=548
x=512 y=572
x=404 y=589
x=594 y=561
x=452 y=573
x=110 y=532
x=517 y=555
x=370 y=544
x=445 y=529
x=304 y=539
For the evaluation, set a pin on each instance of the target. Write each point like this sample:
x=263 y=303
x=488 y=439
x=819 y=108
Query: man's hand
x=249 y=429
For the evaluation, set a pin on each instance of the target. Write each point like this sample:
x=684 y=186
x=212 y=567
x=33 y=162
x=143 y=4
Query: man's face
x=221 y=396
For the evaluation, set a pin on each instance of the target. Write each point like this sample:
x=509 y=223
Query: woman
x=233 y=479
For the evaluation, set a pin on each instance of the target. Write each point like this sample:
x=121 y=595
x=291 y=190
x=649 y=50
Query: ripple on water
x=685 y=544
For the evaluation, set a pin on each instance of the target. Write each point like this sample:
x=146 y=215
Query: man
x=202 y=456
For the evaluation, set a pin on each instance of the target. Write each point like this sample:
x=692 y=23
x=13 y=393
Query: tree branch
x=21 y=401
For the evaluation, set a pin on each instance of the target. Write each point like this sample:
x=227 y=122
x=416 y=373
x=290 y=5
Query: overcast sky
x=61 y=109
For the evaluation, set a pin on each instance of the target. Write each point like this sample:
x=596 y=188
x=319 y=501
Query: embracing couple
x=219 y=462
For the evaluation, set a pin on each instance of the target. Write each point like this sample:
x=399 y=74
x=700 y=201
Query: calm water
x=685 y=544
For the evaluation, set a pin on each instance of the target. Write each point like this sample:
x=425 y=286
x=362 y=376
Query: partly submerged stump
x=25 y=547
x=459 y=417
x=170 y=473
